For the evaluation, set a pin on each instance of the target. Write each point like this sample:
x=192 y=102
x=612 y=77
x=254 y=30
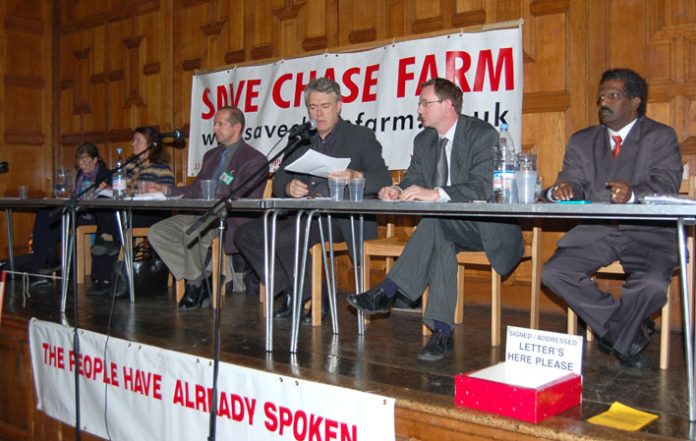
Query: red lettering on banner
x=143 y=383
x=275 y=92
x=92 y=368
x=306 y=427
x=252 y=93
x=229 y=95
x=403 y=75
x=348 y=83
x=299 y=429
x=300 y=86
x=53 y=355
x=458 y=75
x=207 y=104
x=370 y=81
x=503 y=68
x=496 y=70
x=428 y=71
x=285 y=418
x=271 y=422
x=236 y=407
x=315 y=427
x=201 y=398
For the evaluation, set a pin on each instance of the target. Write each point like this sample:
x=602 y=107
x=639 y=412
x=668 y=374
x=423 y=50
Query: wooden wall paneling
x=474 y=12
x=189 y=18
x=427 y=16
x=289 y=29
x=397 y=18
x=262 y=25
x=320 y=25
x=361 y=22
x=25 y=106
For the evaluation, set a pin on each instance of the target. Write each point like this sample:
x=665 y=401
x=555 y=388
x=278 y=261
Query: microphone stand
x=69 y=212
x=220 y=210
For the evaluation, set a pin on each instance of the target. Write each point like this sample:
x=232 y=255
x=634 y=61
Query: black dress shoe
x=439 y=345
x=99 y=288
x=632 y=361
x=373 y=301
x=640 y=341
x=192 y=297
x=307 y=318
x=285 y=310
x=103 y=247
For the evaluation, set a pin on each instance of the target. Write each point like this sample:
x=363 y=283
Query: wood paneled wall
x=83 y=70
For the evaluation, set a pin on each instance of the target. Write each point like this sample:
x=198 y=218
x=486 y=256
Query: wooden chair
x=688 y=187
x=391 y=248
x=83 y=252
x=316 y=274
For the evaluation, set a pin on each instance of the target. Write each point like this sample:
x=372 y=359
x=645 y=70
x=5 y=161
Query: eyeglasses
x=83 y=159
x=610 y=96
x=424 y=104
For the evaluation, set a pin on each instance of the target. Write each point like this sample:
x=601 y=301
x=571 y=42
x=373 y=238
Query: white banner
x=380 y=89
x=131 y=391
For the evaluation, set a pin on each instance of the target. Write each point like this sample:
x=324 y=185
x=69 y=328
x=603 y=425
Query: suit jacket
x=471 y=171
x=348 y=141
x=649 y=162
x=248 y=166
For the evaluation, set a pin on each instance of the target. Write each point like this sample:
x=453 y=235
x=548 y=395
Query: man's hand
x=153 y=187
x=390 y=193
x=562 y=191
x=620 y=191
x=418 y=193
x=346 y=174
x=296 y=189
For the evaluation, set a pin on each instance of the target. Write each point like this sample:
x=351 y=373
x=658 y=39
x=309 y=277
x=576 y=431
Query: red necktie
x=617 y=145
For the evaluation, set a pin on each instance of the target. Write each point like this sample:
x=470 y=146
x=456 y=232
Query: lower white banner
x=132 y=391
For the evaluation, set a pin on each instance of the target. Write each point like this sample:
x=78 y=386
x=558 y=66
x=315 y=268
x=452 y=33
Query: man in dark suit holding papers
x=452 y=160
x=334 y=137
x=625 y=157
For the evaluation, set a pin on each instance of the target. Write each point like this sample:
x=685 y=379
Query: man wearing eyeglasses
x=452 y=161
x=625 y=157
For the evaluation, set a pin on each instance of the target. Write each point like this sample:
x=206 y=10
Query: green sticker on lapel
x=227 y=177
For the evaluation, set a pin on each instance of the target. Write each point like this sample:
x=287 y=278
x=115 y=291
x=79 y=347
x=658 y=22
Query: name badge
x=227 y=177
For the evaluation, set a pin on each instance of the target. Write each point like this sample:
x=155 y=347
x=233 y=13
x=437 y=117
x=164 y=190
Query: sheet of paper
x=620 y=416
x=317 y=164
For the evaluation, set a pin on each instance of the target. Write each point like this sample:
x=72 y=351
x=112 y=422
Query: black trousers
x=249 y=240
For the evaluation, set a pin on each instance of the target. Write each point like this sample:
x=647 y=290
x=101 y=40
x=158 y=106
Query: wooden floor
x=384 y=361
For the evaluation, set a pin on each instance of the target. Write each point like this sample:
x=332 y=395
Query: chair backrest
x=268 y=189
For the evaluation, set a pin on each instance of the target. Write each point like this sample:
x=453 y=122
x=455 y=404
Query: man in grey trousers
x=240 y=171
x=452 y=161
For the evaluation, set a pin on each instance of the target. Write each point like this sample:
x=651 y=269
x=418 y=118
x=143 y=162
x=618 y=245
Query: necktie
x=617 y=145
x=222 y=165
x=442 y=170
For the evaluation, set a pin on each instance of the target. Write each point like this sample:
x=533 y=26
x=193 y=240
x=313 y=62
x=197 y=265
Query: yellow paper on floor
x=620 y=416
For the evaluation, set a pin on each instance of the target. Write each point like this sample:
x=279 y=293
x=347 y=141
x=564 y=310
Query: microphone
x=299 y=129
x=177 y=134
x=4 y=167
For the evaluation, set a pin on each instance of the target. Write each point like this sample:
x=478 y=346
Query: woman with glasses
x=46 y=233
x=147 y=174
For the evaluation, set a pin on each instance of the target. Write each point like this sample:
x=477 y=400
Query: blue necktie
x=224 y=160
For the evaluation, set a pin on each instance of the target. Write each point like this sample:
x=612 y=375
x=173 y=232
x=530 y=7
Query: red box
x=531 y=394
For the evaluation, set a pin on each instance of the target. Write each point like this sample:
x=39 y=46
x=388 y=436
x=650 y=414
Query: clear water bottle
x=505 y=164
x=118 y=181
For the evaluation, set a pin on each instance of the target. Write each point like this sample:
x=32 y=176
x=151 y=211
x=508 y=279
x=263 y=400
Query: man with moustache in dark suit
x=240 y=170
x=625 y=157
x=452 y=160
